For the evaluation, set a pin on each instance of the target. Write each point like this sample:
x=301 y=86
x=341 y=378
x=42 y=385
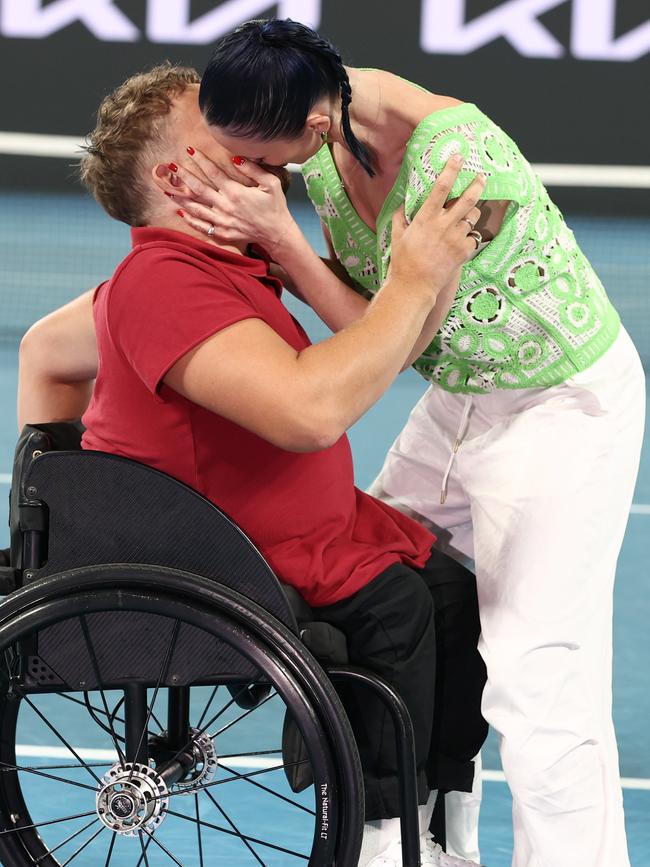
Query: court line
x=37 y=751
x=554 y=174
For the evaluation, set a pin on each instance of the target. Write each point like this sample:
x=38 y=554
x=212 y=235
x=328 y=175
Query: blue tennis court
x=53 y=247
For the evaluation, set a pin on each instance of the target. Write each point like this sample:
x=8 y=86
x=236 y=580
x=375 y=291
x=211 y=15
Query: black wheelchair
x=140 y=620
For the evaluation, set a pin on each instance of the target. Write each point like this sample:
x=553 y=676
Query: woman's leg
x=551 y=486
x=413 y=471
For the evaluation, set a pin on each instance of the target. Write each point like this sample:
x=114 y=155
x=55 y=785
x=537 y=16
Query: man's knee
x=399 y=616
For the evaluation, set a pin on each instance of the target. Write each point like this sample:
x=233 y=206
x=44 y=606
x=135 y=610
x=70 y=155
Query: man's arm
x=326 y=287
x=57 y=364
x=304 y=401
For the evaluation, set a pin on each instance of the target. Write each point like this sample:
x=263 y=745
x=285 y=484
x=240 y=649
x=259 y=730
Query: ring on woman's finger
x=468 y=221
x=211 y=231
x=476 y=235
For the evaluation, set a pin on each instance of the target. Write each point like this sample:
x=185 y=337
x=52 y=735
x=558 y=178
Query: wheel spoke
x=241 y=836
x=237 y=777
x=163 y=847
x=252 y=774
x=109 y=854
x=198 y=829
x=226 y=707
x=200 y=731
x=207 y=707
x=266 y=789
x=67 y=840
x=163 y=671
x=98 y=678
x=26 y=698
x=93 y=714
x=20 y=828
x=252 y=753
x=85 y=704
x=242 y=716
x=91 y=707
x=7 y=767
x=235 y=828
x=83 y=846
x=144 y=846
x=112 y=716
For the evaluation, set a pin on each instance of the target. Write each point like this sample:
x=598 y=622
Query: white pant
x=538 y=496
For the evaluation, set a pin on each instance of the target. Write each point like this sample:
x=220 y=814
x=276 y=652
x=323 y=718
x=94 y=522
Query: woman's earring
x=323 y=136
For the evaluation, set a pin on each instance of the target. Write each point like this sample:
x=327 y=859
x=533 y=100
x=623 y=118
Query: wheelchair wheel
x=141 y=718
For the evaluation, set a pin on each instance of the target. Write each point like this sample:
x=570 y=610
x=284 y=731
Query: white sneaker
x=431 y=855
x=390 y=857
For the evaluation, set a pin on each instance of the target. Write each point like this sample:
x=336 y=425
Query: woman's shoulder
x=412 y=96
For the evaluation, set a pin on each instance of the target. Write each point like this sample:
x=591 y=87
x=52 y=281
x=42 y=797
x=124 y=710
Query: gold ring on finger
x=468 y=221
x=476 y=235
x=211 y=231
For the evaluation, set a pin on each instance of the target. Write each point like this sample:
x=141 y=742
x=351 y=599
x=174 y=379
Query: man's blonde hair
x=130 y=123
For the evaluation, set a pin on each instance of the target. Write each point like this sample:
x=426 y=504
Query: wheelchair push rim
x=117 y=805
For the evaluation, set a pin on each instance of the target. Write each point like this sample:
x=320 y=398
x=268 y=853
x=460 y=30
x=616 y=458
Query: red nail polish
x=172 y=167
x=180 y=213
x=238 y=161
x=190 y=150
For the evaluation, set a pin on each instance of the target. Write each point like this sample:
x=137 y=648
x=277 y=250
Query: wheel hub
x=131 y=799
x=205 y=764
x=122 y=806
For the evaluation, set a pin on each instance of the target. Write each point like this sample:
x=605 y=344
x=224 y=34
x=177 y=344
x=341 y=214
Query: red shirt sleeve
x=165 y=305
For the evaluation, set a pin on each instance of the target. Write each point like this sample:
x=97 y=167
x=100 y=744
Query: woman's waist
x=525 y=353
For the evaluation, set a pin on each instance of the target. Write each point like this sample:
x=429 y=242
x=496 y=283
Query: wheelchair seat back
x=75 y=508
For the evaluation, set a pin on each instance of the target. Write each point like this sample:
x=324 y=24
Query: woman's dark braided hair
x=264 y=78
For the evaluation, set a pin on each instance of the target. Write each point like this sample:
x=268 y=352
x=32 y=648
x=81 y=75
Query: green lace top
x=530 y=310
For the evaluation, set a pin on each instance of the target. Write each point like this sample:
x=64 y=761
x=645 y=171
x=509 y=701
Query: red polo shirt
x=303 y=511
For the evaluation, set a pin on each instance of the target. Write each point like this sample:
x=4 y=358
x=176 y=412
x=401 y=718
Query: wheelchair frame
x=163 y=533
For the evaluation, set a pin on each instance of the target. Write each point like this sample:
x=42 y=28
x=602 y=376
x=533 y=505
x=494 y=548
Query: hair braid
x=324 y=49
x=358 y=148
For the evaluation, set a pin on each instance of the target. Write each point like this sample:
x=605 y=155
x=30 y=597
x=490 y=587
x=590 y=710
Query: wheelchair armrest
x=328 y=644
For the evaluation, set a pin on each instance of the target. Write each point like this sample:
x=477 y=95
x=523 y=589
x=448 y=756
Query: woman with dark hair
x=524 y=450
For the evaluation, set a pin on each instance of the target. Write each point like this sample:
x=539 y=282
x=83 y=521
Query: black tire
x=194 y=606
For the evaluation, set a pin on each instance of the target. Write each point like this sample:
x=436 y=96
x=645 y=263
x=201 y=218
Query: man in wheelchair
x=204 y=374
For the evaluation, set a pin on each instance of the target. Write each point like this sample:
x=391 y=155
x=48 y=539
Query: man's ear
x=168 y=181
